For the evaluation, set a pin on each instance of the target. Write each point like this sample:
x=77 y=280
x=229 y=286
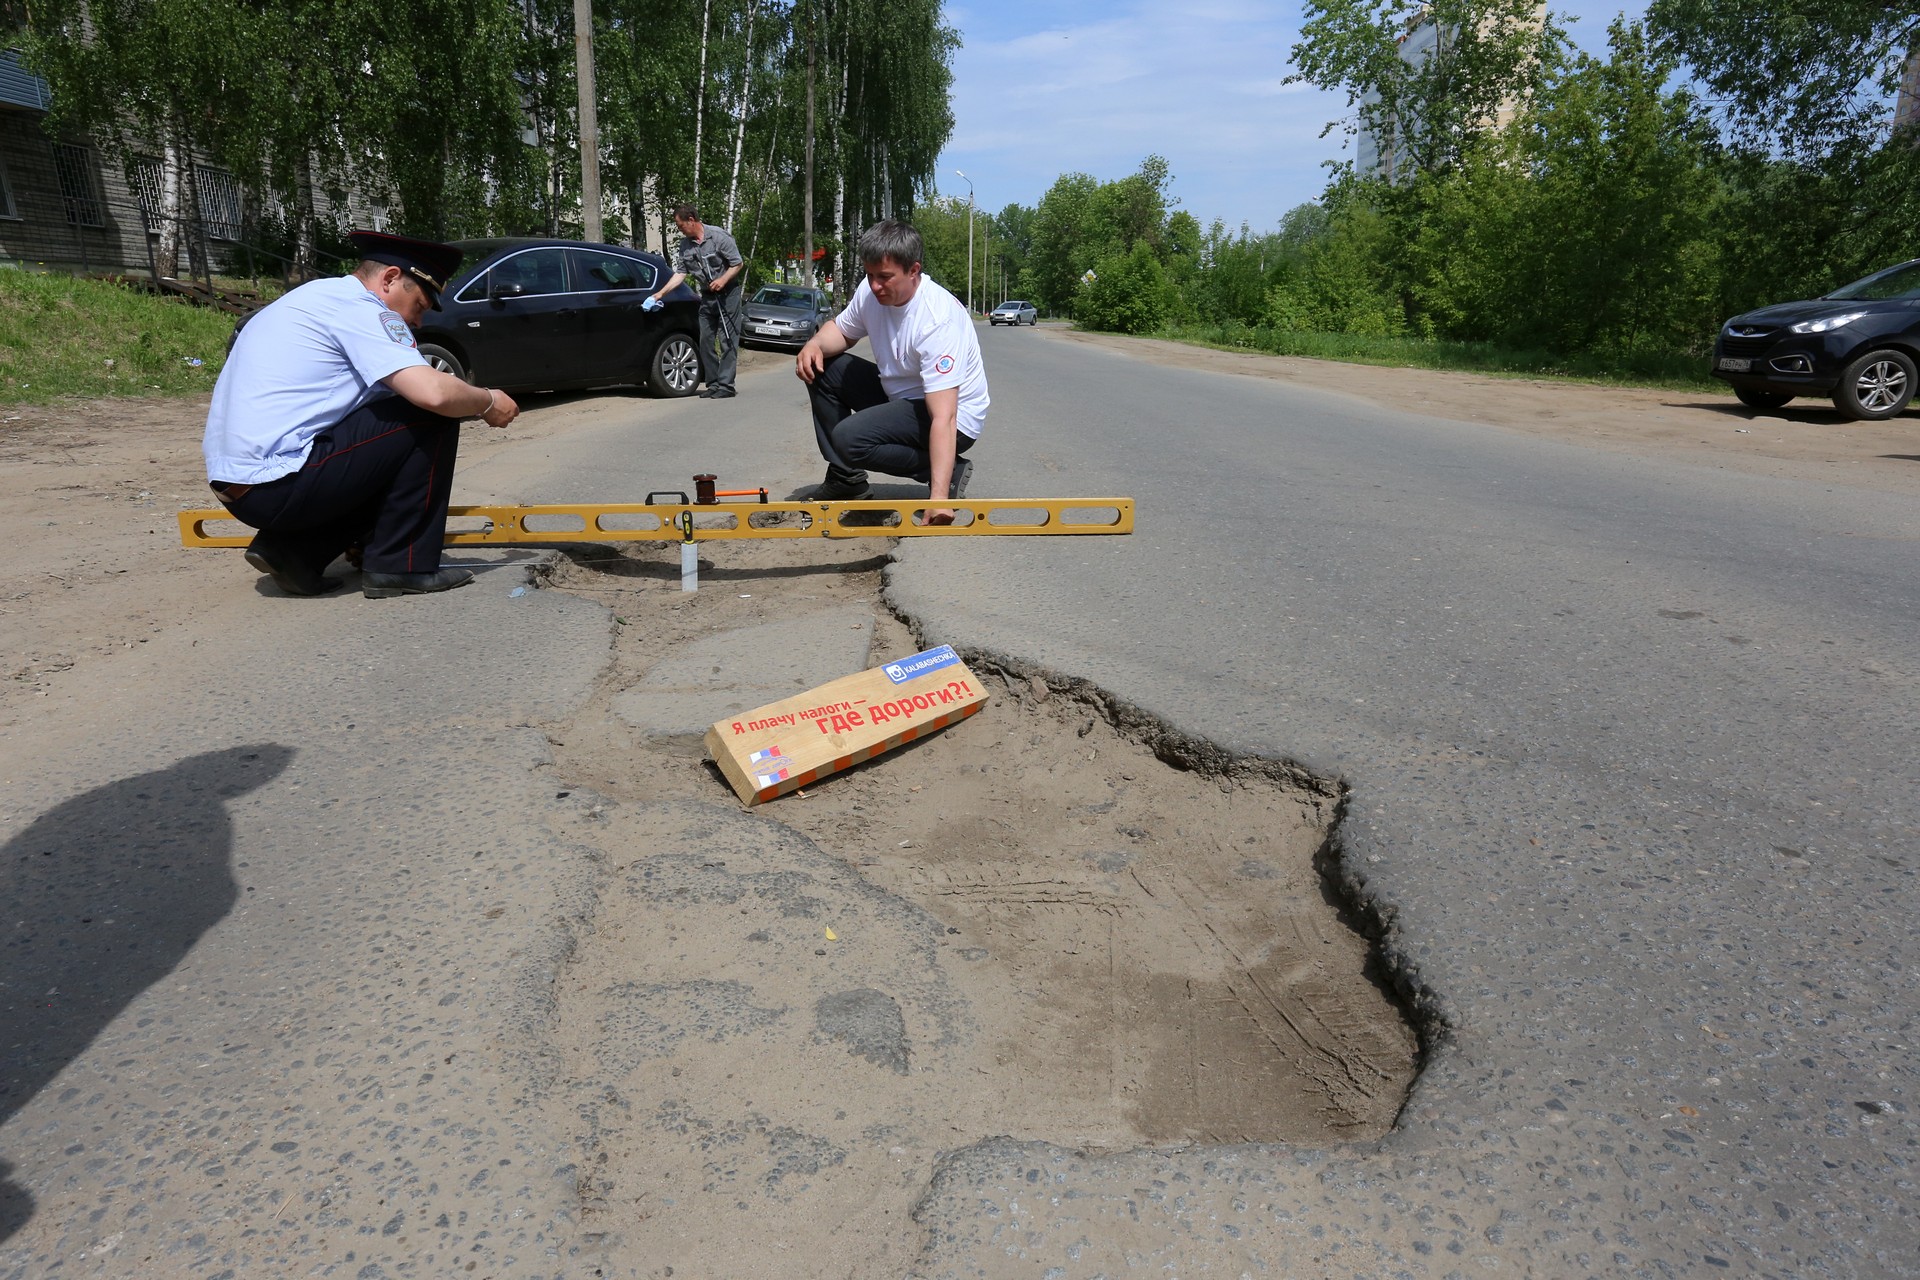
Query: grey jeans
x=720 y=337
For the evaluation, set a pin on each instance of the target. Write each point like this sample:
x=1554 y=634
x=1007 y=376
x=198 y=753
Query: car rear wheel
x=675 y=367
x=1877 y=385
x=1754 y=398
x=443 y=360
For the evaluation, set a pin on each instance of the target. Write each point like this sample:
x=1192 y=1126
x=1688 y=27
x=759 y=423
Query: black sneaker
x=962 y=473
x=832 y=490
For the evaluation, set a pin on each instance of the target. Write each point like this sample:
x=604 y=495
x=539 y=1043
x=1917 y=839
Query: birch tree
x=741 y=112
x=700 y=97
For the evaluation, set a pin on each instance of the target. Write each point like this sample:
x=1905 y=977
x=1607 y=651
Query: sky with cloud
x=1045 y=87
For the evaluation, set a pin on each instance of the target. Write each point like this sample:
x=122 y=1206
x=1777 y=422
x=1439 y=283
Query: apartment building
x=1383 y=154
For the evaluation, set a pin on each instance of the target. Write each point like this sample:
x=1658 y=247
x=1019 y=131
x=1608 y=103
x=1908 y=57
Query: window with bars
x=146 y=186
x=220 y=203
x=79 y=189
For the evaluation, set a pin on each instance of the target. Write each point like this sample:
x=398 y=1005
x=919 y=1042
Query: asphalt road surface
x=1631 y=750
x=1632 y=755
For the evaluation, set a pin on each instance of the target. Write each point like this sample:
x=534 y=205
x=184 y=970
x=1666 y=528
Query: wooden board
x=785 y=745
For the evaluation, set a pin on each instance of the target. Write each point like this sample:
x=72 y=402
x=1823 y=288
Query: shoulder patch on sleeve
x=396 y=328
x=943 y=365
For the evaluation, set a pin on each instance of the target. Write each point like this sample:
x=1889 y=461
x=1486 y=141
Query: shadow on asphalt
x=558 y=399
x=106 y=894
x=1816 y=413
x=611 y=561
x=881 y=493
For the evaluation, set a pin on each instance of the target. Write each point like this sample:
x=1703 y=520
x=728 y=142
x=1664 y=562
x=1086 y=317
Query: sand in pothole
x=781 y=1020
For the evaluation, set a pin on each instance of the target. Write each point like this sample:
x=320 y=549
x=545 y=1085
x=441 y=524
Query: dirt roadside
x=89 y=494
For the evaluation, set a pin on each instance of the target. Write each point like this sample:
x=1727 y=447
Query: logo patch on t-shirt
x=943 y=365
x=396 y=328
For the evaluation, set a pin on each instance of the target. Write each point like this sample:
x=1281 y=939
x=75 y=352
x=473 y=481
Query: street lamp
x=969 y=182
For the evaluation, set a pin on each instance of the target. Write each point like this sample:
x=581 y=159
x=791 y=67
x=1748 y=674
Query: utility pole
x=969 y=181
x=589 y=120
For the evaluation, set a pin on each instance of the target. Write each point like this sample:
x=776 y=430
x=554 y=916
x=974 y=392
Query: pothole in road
x=778 y=1021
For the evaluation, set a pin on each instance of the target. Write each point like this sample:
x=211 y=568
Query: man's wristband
x=490 y=399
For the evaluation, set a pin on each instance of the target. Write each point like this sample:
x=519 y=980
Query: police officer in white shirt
x=328 y=428
x=920 y=404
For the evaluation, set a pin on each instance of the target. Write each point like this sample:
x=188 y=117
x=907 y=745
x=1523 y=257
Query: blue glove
x=652 y=303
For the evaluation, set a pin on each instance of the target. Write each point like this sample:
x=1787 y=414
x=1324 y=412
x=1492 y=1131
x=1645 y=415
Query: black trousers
x=381 y=476
x=859 y=429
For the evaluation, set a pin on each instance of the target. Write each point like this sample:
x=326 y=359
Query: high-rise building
x=1906 y=106
x=1383 y=154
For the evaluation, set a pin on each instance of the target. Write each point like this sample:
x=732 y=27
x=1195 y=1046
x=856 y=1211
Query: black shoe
x=285 y=569
x=385 y=586
x=962 y=472
x=717 y=393
x=832 y=490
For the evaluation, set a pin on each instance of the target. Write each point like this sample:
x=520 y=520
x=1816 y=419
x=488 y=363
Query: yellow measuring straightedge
x=496 y=525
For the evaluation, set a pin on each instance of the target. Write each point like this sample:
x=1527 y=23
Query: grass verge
x=62 y=337
x=1662 y=370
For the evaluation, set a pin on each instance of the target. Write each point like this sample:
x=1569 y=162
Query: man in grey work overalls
x=709 y=261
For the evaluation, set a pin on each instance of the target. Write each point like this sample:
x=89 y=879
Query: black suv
x=1858 y=344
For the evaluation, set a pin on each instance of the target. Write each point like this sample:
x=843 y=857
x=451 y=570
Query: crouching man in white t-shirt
x=919 y=405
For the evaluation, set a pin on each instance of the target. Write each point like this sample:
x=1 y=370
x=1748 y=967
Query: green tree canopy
x=458 y=115
x=1604 y=228
x=1801 y=72
x=1081 y=221
x=1128 y=293
x=1060 y=252
x=1489 y=56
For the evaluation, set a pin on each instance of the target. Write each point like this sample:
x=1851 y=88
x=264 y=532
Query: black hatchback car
x=556 y=315
x=1858 y=344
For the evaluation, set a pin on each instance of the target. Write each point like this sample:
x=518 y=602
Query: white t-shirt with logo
x=298 y=367
x=929 y=344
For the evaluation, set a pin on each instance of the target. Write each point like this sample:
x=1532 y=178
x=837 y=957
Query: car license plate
x=1731 y=365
